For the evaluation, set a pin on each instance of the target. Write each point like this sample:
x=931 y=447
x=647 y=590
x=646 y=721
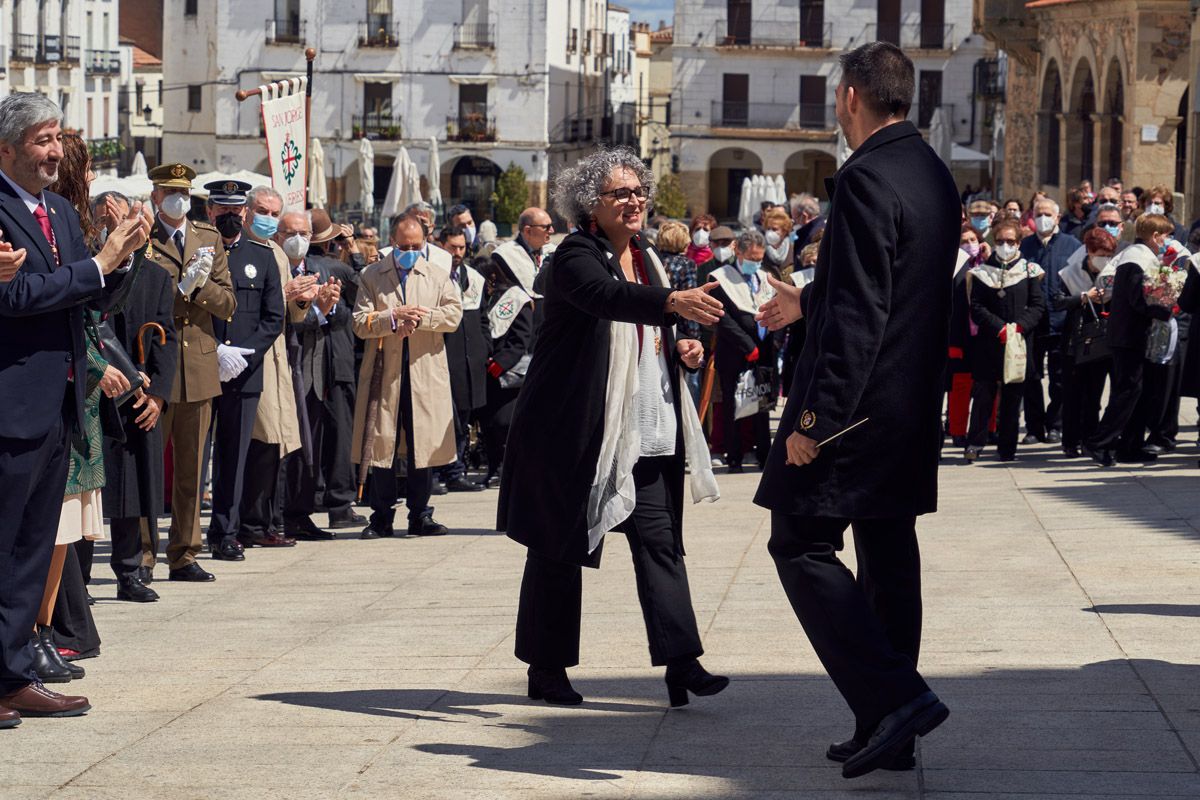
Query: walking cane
x=710 y=377
x=159 y=333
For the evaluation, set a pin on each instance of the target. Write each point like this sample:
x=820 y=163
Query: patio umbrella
x=366 y=177
x=780 y=190
x=940 y=136
x=745 y=213
x=410 y=191
x=318 y=191
x=392 y=199
x=135 y=187
x=139 y=164
x=434 y=175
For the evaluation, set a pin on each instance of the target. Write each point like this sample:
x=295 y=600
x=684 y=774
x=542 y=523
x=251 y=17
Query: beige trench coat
x=277 y=421
x=428 y=286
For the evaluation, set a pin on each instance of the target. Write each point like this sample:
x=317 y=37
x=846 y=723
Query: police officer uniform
x=254 y=327
x=197 y=382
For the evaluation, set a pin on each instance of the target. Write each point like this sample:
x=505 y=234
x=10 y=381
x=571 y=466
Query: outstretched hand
x=784 y=308
x=697 y=305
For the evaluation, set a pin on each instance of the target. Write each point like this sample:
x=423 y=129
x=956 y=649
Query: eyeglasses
x=548 y=227
x=1007 y=241
x=623 y=194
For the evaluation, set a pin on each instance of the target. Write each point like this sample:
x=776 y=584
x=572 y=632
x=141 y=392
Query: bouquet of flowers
x=1163 y=286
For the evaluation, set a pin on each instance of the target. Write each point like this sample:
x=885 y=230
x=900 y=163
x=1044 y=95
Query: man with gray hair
x=806 y=214
x=42 y=327
x=744 y=345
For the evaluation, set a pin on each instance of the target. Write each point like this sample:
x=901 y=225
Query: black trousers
x=234 y=417
x=1083 y=387
x=1121 y=421
x=337 y=489
x=74 y=626
x=259 y=513
x=1008 y=419
x=732 y=427
x=866 y=629
x=33 y=473
x=1045 y=357
x=1160 y=398
x=127 y=534
x=418 y=482
x=496 y=420
x=548 y=616
x=298 y=480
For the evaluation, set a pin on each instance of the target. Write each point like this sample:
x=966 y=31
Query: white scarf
x=737 y=288
x=1078 y=279
x=506 y=309
x=613 y=495
x=1005 y=277
x=520 y=264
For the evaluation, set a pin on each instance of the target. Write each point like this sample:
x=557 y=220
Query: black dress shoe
x=917 y=717
x=46 y=668
x=553 y=686
x=268 y=539
x=145 y=575
x=192 y=573
x=1071 y=452
x=1006 y=458
x=346 y=519
x=375 y=533
x=490 y=481
x=463 y=485
x=735 y=469
x=130 y=589
x=427 y=526
x=1054 y=437
x=1031 y=438
x=689 y=676
x=1143 y=456
x=46 y=637
x=971 y=454
x=1102 y=457
x=843 y=751
x=305 y=530
x=1161 y=448
x=439 y=489
x=228 y=549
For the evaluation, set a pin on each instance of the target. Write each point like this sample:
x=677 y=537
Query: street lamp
x=147 y=113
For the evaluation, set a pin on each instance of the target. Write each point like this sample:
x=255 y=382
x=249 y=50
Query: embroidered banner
x=287 y=145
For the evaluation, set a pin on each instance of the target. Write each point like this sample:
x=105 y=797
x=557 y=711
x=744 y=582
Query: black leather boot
x=48 y=671
x=688 y=676
x=46 y=635
x=553 y=686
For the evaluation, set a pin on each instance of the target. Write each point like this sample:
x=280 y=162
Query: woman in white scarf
x=601 y=431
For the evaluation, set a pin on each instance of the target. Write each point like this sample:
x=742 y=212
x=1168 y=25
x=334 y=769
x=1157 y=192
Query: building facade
x=754 y=84
x=495 y=82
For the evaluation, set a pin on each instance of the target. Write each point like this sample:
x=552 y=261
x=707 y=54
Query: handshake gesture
x=196 y=273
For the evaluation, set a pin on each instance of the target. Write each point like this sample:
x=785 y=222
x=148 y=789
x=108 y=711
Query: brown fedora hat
x=323 y=229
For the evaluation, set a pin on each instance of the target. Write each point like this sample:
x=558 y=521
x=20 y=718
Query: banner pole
x=310 y=54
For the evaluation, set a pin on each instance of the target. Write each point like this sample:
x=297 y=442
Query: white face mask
x=723 y=254
x=470 y=230
x=175 y=205
x=295 y=247
x=1156 y=208
x=1044 y=225
x=700 y=237
x=1007 y=252
x=773 y=238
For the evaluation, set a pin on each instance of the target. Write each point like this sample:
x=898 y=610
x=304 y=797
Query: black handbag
x=1089 y=340
x=112 y=351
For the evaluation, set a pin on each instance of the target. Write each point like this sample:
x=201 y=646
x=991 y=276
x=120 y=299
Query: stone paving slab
x=1061 y=608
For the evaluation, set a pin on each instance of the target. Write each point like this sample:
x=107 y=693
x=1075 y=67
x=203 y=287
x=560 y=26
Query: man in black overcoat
x=878 y=318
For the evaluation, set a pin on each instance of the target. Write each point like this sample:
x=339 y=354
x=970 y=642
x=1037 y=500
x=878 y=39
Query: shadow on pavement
x=1154 y=609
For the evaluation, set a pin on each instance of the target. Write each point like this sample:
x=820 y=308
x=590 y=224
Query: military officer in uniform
x=192 y=252
x=243 y=343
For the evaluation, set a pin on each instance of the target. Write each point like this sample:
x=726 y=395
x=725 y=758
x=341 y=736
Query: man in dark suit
x=243 y=341
x=878 y=320
x=46 y=274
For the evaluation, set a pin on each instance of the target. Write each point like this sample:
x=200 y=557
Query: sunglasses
x=623 y=194
x=1007 y=241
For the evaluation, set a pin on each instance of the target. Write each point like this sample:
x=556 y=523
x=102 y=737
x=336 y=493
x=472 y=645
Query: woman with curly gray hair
x=605 y=429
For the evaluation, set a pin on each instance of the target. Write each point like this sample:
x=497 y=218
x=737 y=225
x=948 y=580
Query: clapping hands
x=126 y=237
x=10 y=260
x=328 y=295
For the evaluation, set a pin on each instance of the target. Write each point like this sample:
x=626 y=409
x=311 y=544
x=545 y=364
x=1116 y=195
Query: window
x=140 y=98
x=190 y=9
x=105 y=109
x=377 y=100
x=812 y=102
x=735 y=108
x=573 y=40
x=887 y=28
x=929 y=96
x=472 y=105
x=812 y=23
x=933 y=24
x=160 y=85
x=194 y=97
x=738 y=19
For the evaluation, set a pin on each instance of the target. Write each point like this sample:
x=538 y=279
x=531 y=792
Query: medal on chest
x=251 y=272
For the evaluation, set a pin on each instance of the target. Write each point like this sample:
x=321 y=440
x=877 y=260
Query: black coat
x=557 y=429
x=325 y=353
x=737 y=337
x=258 y=320
x=1023 y=303
x=134 y=467
x=467 y=351
x=961 y=341
x=1189 y=302
x=1077 y=311
x=878 y=316
x=1130 y=315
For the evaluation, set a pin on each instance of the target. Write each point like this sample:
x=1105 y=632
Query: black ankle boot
x=48 y=671
x=553 y=686
x=46 y=636
x=688 y=676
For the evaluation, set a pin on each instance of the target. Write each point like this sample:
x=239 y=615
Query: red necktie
x=43 y=219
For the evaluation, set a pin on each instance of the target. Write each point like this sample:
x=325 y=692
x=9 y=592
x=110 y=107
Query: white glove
x=196 y=273
x=231 y=360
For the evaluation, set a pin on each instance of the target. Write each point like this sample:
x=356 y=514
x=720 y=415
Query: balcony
x=378 y=32
x=470 y=128
x=289 y=30
x=474 y=37
x=787 y=35
x=773 y=116
x=377 y=126
x=103 y=62
x=24 y=47
x=49 y=49
x=71 y=52
x=914 y=36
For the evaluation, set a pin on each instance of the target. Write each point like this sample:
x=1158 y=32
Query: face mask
x=971 y=249
x=1113 y=230
x=750 y=267
x=175 y=205
x=1006 y=252
x=102 y=237
x=773 y=238
x=1044 y=225
x=1156 y=208
x=295 y=247
x=229 y=225
x=1099 y=262
x=470 y=230
x=700 y=238
x=723 y=254
x=981 y=224
x=264 y=226
x=407 y=259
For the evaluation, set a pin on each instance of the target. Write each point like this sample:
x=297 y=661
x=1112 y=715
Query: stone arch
x=470 y=180
x=1050 y=113
x=806 y=171
x=1081 y=124
x=1112 y=121
x=726 y=169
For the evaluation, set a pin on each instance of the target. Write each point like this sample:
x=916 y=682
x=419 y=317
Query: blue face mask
x=980 y=224
x=263 y=226
x=407 y=259
x=1113 y=230
x=750 y=267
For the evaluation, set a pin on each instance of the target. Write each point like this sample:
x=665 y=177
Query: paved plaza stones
x=1062 y=628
